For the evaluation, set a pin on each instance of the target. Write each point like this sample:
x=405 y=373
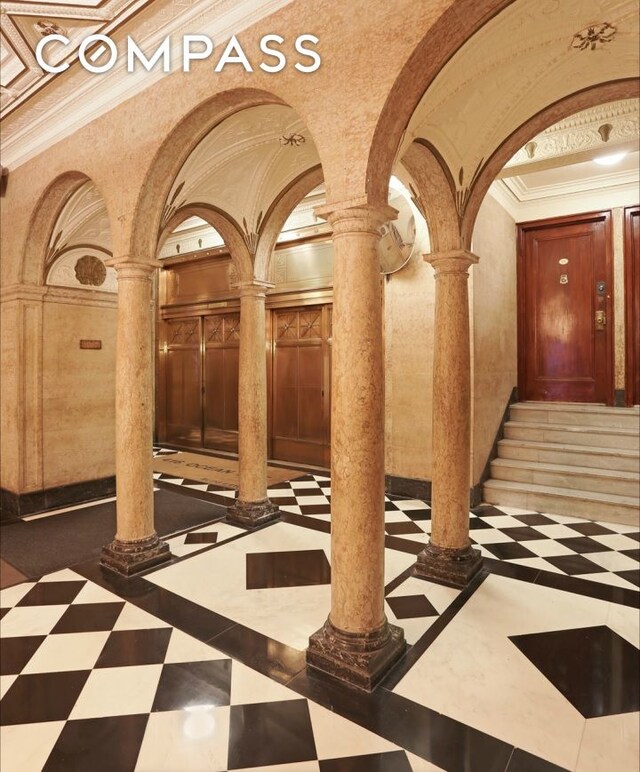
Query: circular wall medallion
x=90 y=270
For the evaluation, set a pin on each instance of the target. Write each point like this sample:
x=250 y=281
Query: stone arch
x=276 y=217
x=461 y=20
x=227 y=227
x=43 y=221
x=580 y=100
x=146 y=224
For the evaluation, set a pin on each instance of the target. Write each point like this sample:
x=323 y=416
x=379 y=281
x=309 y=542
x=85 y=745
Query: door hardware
x=601 y=320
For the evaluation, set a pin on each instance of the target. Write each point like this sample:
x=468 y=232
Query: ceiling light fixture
x=611 y=159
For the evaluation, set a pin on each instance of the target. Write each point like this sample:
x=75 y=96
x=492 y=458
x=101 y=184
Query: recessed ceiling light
x=611 y=159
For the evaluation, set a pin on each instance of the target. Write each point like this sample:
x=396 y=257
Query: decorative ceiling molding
x=54 y=107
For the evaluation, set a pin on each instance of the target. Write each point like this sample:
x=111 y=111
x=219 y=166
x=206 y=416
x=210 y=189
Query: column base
x=132 y=557
x=357 y=659
x=455 y=567
x=252 y=514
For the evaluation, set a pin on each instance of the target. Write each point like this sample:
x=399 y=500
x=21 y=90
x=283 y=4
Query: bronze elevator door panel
x=221 y=358
x=183 y=382
x=300 y=385
x=565 y=285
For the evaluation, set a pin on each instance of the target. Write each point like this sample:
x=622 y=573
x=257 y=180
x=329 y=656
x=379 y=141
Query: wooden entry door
x=300 y=384
x=632 y=302
x=565 y=325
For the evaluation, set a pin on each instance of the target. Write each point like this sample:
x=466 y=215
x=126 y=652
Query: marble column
x=449 y=556
x=136 y=546
x=252 y=507
x=356 y=644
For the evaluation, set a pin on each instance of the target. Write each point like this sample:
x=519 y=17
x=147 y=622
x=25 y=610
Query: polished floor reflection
x=199 y=665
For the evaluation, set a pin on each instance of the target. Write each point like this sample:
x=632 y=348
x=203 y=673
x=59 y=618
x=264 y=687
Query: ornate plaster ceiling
x=524 y=59
x=243 y=164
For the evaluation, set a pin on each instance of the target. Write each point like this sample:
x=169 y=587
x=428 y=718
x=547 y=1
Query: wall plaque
x=91 y=344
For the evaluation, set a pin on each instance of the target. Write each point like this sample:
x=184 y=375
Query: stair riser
x=542 y=502
x=573 y=417
x=569 y=458
x=577 y=482
x=567 y=437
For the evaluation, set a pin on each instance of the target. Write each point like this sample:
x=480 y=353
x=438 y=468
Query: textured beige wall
x=494 y=326
x=409 y=313
x=78 y=393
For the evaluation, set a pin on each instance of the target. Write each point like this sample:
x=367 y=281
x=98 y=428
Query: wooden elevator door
x=565 y=342
x=221 y=361
x=301 y=384
x=183 y=382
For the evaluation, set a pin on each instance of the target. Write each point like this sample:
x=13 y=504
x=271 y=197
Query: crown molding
x=73 y=102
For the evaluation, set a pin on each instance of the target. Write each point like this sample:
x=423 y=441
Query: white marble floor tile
x=26 y=747
x=185 y=648
x=505 y=695
x=249 y=686
x=189 y=740
x=13 y=595
x=65 y=575
x=118 y=691
x=292 y=508
x=558 y=531
x=133 y=618
x=489 y=536
x=337 y=737
x=613 y=561
x=67 y=651
x=405 y=505
x=5 y=683
x=616 y=541
x=545 y=548
x=610 y=743
x=536 y=563
x=420 y=765
x=92 y=593
x=31 y=620
x=198 y=486
x=296 y=484
x=512 y=510
x=607 y=577
x=298 y=766
x=621 y=527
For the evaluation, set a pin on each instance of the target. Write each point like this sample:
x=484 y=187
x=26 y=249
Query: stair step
x=567 y=476
x=562 y=501
x=568 y=413
x=606 y=437
x=575 y=455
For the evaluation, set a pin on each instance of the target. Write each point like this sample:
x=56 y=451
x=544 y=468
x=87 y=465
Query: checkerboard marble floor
x=199 y=664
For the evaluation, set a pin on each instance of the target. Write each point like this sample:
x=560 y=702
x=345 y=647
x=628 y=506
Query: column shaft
x=136 y=545
x=449 y=556
x=357 y=644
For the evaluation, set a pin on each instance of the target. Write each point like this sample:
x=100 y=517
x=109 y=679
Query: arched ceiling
x=243 y=164
x=526 y=58
x=83 y=221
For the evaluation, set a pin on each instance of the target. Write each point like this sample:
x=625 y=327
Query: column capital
x=364 y=218
x=253 y=287
x=128 y=267
x=457 y=261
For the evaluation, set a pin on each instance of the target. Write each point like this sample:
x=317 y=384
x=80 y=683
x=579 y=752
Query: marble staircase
x=569 y=459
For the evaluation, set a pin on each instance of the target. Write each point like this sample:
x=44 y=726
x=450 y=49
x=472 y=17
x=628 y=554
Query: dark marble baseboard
x=407 y=486
x=16 y=505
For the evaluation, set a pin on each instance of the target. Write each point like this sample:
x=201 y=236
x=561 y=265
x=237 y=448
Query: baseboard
x=407 y=486
x=16 y=505
x=620 y=398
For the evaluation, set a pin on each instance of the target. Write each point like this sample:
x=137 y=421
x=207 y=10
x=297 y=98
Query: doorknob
x=601 y=320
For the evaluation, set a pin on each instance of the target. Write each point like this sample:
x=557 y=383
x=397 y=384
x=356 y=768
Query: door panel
x=300 y=396
x=564 y=310
x=221 y=357
x=632 y=303
x=183 y=382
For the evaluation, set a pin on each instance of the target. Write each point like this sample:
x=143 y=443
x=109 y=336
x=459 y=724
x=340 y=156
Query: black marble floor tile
x=98 y=744
x=269 y=657
x=324 y=526
x=509 y=550
x=582 y=544
x=535 y=519
x=51 y=593
x=632 y=575
x=599 y=590
x=16 y=652
x=521 y=761
x=583 y=663
x=296 y=568
x=411 y=606
x=417 y=515
x=476 y=523
x=522 y=533
x=135 y=647
x=302 y=492
x=270 y=733
x=316 y=509
x=392 y=761
x=409 y=546
x=188 y=684
x=42 y=697
x=513 y=570
x=89 y=617
x=4 y=611
x=590 y=529
x=397 y=529
x=635 y=536
x=635 y=554
x=486 y=510
x=208 y=537
x=575 y=564
x=284 y=501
